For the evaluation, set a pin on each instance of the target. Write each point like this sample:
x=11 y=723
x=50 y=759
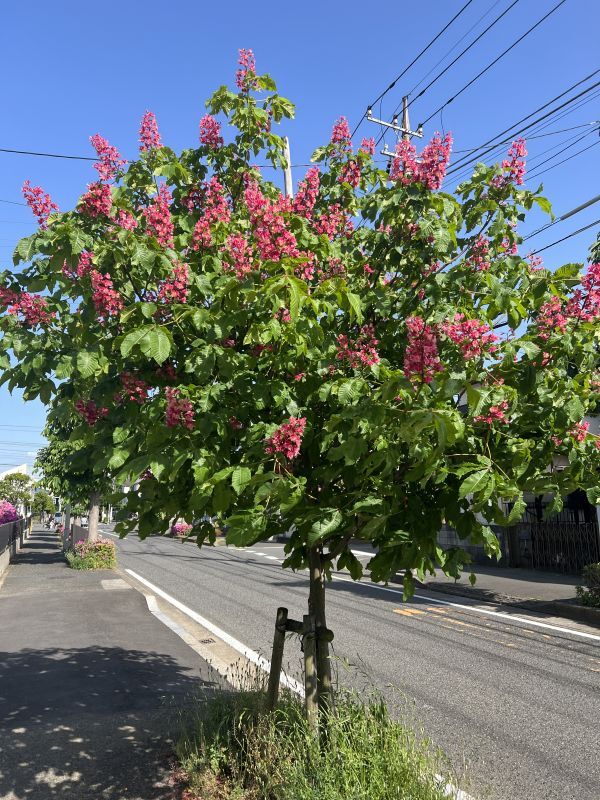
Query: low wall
x=12 y=538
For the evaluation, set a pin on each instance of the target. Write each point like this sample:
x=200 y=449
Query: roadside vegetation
x=237 y=751
x=99 y=554
x=589 y=593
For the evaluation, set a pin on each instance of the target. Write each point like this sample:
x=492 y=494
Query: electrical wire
x=568 y=236
x=495 y=61
x=538 y=136
x=563 y=217
x=414 y=61
x=536 y=174
x=46 y=155
x=463 y=162
x=466 y=50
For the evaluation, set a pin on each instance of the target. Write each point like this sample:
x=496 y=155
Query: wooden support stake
x=276 y=658
x=310 y=673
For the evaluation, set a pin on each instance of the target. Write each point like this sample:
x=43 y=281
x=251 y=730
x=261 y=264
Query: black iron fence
x=558 y=546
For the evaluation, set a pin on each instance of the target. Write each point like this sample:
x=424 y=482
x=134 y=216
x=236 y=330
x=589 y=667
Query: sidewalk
x=91 y=684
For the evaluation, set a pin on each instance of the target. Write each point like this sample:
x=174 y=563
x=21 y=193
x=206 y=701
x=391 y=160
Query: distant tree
x=42 y=503
x=16 y=488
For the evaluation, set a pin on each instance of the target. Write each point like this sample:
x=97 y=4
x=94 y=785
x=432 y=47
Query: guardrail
x=12 y=539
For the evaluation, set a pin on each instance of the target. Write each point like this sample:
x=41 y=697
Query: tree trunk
x=93 y=516
x=316 y=607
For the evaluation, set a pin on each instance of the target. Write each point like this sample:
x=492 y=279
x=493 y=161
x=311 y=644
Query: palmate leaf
x=329 y=522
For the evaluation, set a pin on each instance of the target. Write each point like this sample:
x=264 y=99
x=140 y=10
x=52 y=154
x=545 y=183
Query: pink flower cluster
x=39 y=202
x=287 y=439
x=210 y=132
x=359 y=352
x=240 y=253
x=428 y=169
x=126 y=220
x=283 y=315
x=274 y=240
x=8 y=513
x=180 y=529
x=350 y=174
x=583 y=306
x=216 y=209
x=514 y=165
x=90 y=411
x=32 y=308
x=473 y=336
x=176 y=288
x=107 y=301
x=340 y=136
x=245 y=76
x=367 y=146
x=334 y=222
x=551 y=318
x=97 y=201
x=149 y=135
x=579 y=431
x=158 y=218
x=421 y=356
x=84 y=266
x=496 y=413
x=306 y=196
x=135 y=389
x=479 y=257
x=179 y=410
x=110 y=161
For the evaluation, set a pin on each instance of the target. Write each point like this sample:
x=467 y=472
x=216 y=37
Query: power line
x=466 y=50
x=564 y=238
x=46 y=155
x=529 y=138
x=563 y=217
x=414 y=61
x=463 y=162
x=495 y=61
x=537 y=173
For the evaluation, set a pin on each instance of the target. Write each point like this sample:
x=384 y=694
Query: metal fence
x=12 y=538
x=558 y=546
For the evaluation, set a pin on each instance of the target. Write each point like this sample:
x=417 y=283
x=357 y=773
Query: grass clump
x=239 y=752
x=97 y=554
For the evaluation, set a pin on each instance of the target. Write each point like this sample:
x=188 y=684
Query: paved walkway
x=91 y=684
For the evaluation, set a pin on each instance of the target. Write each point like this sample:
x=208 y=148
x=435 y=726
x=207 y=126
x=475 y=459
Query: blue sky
x=72 y=69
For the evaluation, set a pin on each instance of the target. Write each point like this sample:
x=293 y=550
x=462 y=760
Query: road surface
x=515 y=705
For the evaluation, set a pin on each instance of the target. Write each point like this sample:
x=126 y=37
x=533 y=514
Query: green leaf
x=240 y=478
x=355 y=306
x=245 y=527
x=329 y=523
x=156 y=344
x=133 y=339
x=517 y=511
x=475 y=482
x=87 y=363
x=350 y=390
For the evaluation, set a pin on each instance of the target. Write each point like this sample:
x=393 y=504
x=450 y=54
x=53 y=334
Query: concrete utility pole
x=287 y=173
x=405 y=119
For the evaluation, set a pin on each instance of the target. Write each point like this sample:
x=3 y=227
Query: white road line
x=272 y=558
x=241 y=648
x=475 y=609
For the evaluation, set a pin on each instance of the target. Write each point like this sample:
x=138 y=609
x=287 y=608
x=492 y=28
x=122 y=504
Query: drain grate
x=207 y=641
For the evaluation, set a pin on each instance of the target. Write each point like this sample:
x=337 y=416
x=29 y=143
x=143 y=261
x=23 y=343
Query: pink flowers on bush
x=32 y=308
x=306 y=196
x=135 y=389
x=421 y=356
x=495 y=413
x=107 y=301
x=97 y=201
x=359 y=352
x=149 y=135
x=126 y=220
x=8 y=513
x=245 y=77
x=180 y=529
x=180 y=411
x=110 y=161
x=215 y=209
x=210 y=132
x=90 y=411
x=428 y=169
x=513 y=166
x=175 y=289
x=158 y=218
x=39 y=202
x=340 y=135
x=472 y=336
x=287 y=439
x=240 y=253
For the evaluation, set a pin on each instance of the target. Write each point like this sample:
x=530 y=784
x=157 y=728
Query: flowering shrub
x=97 y=554
x=370 y=358
x=8 y=513
x=180 y=530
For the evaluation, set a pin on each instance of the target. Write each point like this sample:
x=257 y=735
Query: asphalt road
x=516 y=707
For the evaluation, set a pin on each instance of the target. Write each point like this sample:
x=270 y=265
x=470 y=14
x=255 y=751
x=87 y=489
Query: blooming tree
x=368 y=359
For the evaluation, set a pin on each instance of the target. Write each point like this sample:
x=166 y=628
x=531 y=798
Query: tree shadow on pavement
x=91 y=724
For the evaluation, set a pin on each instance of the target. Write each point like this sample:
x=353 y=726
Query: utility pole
x=287 y=172
x=405 y=119
x=403 y=129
